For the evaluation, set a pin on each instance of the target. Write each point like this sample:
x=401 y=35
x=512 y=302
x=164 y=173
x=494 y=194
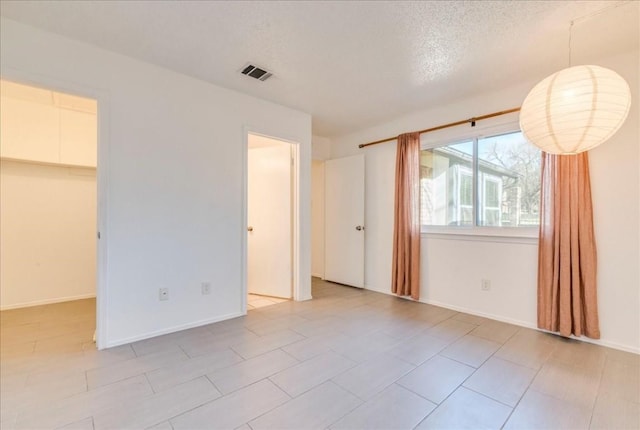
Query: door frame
x=295 y=213
x=102 y=180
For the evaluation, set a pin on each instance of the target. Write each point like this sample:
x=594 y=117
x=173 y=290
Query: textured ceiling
x=349 y=64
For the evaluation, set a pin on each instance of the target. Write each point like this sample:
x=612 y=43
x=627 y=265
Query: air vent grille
x=256 y=72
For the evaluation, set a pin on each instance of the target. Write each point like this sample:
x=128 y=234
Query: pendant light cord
x=570 y=33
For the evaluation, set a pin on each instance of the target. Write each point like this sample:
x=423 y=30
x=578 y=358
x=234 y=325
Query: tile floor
x=349 y=359
x=255 y=301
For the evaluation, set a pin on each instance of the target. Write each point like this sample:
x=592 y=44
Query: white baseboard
x=606 y=343
x=47 y=301
x=148 y=335
x=317 y=275
x=521 y=323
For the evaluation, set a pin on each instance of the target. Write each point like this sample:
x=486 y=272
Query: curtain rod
x=451 y=124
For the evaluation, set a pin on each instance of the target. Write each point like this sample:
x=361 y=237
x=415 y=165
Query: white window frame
x=452 y=136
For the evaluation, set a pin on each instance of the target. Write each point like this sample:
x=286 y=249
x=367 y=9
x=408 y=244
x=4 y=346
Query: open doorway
x=270 y=220
x=48 y=150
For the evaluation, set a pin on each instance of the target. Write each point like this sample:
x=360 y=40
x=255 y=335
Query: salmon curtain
x=405 y=271
x=567 y=299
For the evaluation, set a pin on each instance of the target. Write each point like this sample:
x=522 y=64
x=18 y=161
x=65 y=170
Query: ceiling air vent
x=256 y=72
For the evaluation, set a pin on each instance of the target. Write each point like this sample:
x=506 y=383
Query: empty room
x=320 y=215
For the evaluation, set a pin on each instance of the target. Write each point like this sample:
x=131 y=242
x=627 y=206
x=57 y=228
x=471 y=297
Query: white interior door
x=344 y=220
x=269 y=236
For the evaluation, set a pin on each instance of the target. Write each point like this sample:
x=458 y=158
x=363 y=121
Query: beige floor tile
x=44 y=362
x=261 y=303
x=183 y=371
x=471 y=319
x=166 y=425
x=83 y=405
x=404 y=328
x=393 y=408
x=418 y=349
x=575 y=353
x=8 y=420
x=57 y=378
x=471 y=350
x=496 y=331
x=19 y=333
x=85 y=424
x=434 y=315
x=372 y=376
x=501 y=380
x=311 y=373
x=277 y=324
x=17 y=350
x=613 y=413
x=156 y=345
x=315 y=409
x=465 y=409
x=436 y=378
x=234 y=410
x=450 y=329
x=318 y=326
x=93 y=359
x=576 y=385
x=539 y=411
x=44 y=389
x=252 y=370
x=362 y=348
x=621 y=380
x=47 y=356
x=218 y=342
x=315 y=345
x=136 y=366
x=152 y=410
x=528 y=348
x=627 y=358
x=254 y=347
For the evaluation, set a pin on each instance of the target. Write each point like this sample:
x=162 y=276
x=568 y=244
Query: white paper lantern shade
x=575 y=109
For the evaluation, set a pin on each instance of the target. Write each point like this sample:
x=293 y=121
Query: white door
x=269 y=235
x=344 y=220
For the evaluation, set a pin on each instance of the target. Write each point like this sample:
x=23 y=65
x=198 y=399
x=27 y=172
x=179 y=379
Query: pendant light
x=575 y=109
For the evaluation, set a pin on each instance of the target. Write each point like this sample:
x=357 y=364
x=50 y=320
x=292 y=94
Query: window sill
x=527 y=236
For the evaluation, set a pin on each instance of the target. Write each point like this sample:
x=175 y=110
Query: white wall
x=48 y=240
x=453 y=267
x=321 y=150
x=171 y=210
x=317 y=218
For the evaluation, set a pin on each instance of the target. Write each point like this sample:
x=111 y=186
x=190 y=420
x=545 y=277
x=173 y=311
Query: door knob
x=359 y=227
x=249 y=228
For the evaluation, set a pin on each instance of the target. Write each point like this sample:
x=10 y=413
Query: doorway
x=270 y=220
x=48 y=151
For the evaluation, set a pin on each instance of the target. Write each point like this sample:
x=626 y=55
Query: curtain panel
x=405 y=271
x=567 y=298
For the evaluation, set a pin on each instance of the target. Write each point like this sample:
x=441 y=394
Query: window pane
x=509 y=181
x=446 y=185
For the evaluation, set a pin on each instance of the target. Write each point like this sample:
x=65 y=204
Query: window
x=485 y=182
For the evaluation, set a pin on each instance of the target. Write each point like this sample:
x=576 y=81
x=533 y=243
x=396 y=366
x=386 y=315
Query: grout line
x=153 y=390
x=487 y=396
x=524 y=393
x=595 y=402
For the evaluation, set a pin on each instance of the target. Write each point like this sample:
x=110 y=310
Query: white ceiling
x=349 y=64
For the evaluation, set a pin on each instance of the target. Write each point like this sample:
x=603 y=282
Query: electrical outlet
x=206 y=288
x=485 y=285
x=163 y=294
